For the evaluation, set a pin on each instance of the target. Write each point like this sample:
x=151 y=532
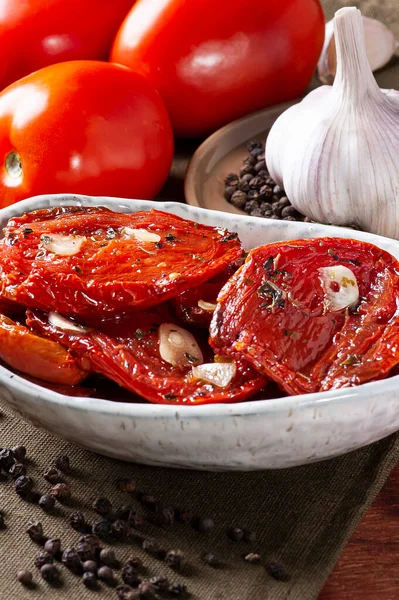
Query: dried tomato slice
x=127 y=351
x=274 y=313
x=36 y=356
x=196 y=306
x=116 y=262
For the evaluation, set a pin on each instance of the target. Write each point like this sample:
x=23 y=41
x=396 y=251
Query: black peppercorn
x=17 y=470
x=123 y=512
x=25 y=577
x=43 y=558
x=229 y=191
x=231 y=179
x=91 y=539
x=70 y=558
x=148 y=501
x=277 y=208
x=50 y=573
x=247 y=170
x=183 y=516
x=126 y=485
x=52 y=475
x=120 y=529
x=62 y=463
x=6 y=458
x=147 y=591
x=203 y=524
x=235 y=534
x=243 y=186
x=160 y=582
x=239 y=199
x=249 y=536
x=277 y=190
x=151 y=546
x=165 y=515
x=90 y=566
x=103 y=529
x=136 y=519
x=47 y=502
x=89 y=579
x=256 y=183
x=53 y=546
x=106 y=574
x=179 y=590
x=130 y=576
x=277 y=571
x=265 y=191
x=35 y=531
x=251 y=205
x=19 y=453
x=249 y=160
x=256 y=212
x=252 y=558
x=85 y=551
x=212 y=560
x=260 y=166
x=253 y=195
x=61 y=491
x=23 y=485
x=254 y=145
x=174 y=559
x=125 y=592
x=135 y=562
x=77 y=520
x=102 y=506
x=288 y=211
x=108 y=558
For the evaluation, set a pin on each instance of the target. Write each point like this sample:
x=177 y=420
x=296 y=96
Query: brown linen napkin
x=302 y=517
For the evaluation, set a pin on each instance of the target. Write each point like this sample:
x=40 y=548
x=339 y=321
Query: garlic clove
x=62 y=245
x=143 y=235
x=60 y=322
x=381 y=45
x=207 y=306
x=178 y=347
x=219 y=373
x=340 y=287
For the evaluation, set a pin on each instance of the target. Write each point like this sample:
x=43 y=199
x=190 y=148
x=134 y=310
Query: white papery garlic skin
x=336 y=153
x=381 y=45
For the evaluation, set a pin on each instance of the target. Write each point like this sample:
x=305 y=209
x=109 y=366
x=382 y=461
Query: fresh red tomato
x=37 y=356
x=290 y=320
x=38 y=33
x=74 y=260
x=127 y=350
x=216 y=61
x=83 y=127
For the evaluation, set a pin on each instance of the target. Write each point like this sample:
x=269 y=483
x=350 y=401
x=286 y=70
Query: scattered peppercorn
x=62 y=463
x=277 y=571
x=91 y=539
x=25 y=577
x=136 y=519
x=53 y=546
x=125 y=592
x=130 y=576
x=6 y=458
x=85 y=551
x=103 y=529
x=249 y=536
x=90 y=566
x=151 y=546
x=52 y=475
x=235 y=534
x=147 y=591
x=160 y=582
x=123 y=512
x=120 y=529
x=164 y=515
x=252 y=558
x=50 y=573
x=35 y=531
x=47 y=502
x=212 y=560
x=102 y=506
x=23 y=485
x=183 y=516
x=70 y=558
x=203 y=524
x=174 y=559
x=148 y=501
x=108 y=558
x=61 y=491
x=77 y=520
x=126 y=485
x=135 y=562
x=43 y=558
x=19 y=453
x=179 y=590
x=90 y=580
x=17 y=470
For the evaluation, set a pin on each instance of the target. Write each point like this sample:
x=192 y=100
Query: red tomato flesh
x=113 y=271
x=272 y=314
x=126 y=350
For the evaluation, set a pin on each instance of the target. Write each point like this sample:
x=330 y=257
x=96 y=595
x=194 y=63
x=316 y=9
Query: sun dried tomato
x=36 y=356
x=274 y=313
x=126 y=350
x=118 y=262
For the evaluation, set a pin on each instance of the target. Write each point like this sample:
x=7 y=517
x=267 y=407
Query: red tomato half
x=214 y=61
x=38 y=33
x=127 y=351
x=83 y=127
x=274 y=314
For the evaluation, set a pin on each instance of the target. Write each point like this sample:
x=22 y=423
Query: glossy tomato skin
x=213 y=62
x=84 y=127
x=38 y=33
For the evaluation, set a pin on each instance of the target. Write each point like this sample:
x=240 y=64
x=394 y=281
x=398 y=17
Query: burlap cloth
x=302 y=516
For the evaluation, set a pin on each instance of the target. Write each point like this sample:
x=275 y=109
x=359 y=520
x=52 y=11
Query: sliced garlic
x=380 y=47
x=140 y=234
x=178 y=347
x=219 y=374
x=339 y=286
x=57 y=320
x=63 y=245
x=174 y=276
x=208 y=306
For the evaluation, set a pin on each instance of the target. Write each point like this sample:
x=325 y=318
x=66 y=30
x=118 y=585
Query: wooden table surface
x=368 y=568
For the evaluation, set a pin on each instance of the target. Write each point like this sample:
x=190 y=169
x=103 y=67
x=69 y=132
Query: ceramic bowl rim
x=143 y=410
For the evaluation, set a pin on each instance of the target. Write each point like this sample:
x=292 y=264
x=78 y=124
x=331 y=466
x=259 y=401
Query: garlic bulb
x=381 y=45
x=336 y=153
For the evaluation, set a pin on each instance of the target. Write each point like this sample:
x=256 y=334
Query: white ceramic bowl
x=251 y=435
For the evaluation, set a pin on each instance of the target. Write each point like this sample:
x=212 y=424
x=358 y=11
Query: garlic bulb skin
x=336 y=153
x=381 y=45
